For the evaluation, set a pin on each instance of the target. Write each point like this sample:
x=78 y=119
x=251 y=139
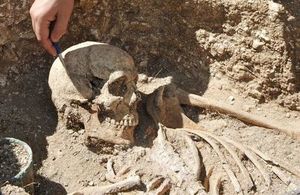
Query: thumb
x=60 y=28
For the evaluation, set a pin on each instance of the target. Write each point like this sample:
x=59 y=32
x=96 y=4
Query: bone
x=198 y=101
x=154 y=183
x=194 y=150
x=285 y=179
x=276 y=162
x=164 y=187
x=225 y=165
x=234 y=155
x=110 y=175
x=253 y=159
x=206 y=182
x=121 y=186
x=125 y=169
x=214 y=184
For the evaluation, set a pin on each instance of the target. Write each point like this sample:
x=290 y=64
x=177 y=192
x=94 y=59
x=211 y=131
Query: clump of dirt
x=12 y=190
x=13 y=158
x=253 y=47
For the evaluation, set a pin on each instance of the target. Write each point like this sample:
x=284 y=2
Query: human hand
x=54 y=12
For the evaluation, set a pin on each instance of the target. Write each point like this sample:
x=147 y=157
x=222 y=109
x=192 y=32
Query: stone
x=231 y=99
x=257 y=44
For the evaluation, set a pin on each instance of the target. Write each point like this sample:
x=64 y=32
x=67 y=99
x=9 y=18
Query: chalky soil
x=13 y=158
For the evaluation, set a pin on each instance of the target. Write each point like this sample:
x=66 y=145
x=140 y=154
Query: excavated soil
x=244 y=53
x=13 y=158
x=12 y=190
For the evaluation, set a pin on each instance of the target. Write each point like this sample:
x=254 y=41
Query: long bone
x=121 y=186
x=164 y=107
x=158 y=106
x=198 y=101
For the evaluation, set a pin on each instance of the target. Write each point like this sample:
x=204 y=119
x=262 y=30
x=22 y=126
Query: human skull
x=105 y=77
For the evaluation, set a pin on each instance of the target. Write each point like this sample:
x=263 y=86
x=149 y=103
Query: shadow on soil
x=293 y=31
x=26 y=110
x=46 y=186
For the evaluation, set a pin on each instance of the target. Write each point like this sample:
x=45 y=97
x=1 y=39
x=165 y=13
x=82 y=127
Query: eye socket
x=96 y=84
x=118 y=87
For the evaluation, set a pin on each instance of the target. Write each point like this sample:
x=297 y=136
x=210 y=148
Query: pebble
x=81 y=132
x=288 y=115
x=231 y=100
x=103 y=178
x=218 y=75
x=91 y=183
x=257 y=44
x=70 y=132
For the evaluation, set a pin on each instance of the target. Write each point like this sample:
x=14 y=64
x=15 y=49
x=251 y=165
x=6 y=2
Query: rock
x=231 y=100
x=70 y=131
x=81 y=132
x=241 y=73
x=256 y=94
x=91 y=183
x=262 y=35
x=288 y=115
x=102 y=178
x=275 y=9
x=257 y=44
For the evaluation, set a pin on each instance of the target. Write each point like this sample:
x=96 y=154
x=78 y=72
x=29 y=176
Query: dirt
x=244 y=53
x=13 y=158
x=12 y=190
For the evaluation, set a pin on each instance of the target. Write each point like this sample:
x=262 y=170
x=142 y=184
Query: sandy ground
x=237 y=52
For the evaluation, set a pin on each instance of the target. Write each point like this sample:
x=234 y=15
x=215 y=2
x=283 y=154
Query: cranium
x=100 y=80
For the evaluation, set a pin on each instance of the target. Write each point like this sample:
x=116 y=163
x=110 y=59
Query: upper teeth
x=125 y=122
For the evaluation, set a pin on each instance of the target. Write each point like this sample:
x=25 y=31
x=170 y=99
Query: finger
x=47 y=44
x=42 y=34
x=61 y=24
x=59 y=28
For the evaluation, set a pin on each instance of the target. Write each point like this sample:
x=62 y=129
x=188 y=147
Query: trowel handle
x=57 y=47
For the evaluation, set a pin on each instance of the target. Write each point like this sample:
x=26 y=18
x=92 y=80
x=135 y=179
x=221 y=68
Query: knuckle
x=31 y=10
x=34 y=13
